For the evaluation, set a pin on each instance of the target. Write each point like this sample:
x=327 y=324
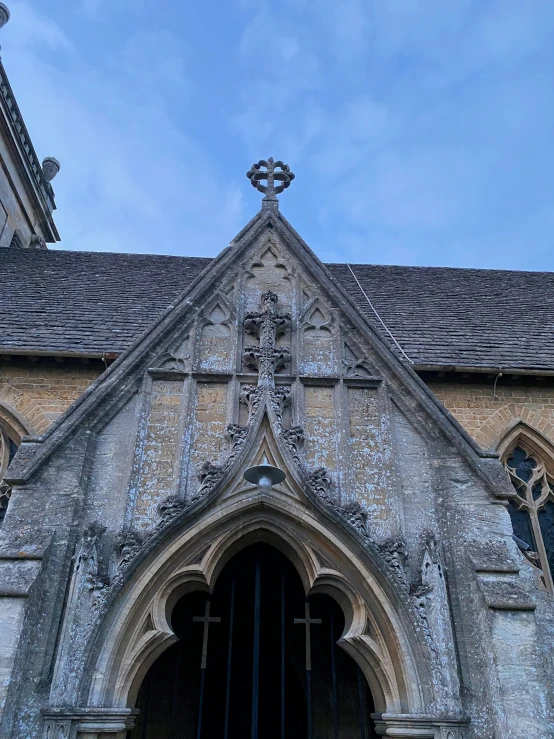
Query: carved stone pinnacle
x=50 y=168
x=274 y=172
x=4 y=15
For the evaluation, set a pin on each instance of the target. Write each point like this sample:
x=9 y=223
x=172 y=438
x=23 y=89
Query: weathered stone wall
x=489 y=419
x=368 y=456
x=41 y=391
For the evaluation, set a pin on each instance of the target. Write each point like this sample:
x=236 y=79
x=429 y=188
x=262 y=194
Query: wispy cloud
x=100 y=9
x=419 y=130
x=345 y=27
x=132 y=179
x=34 y=29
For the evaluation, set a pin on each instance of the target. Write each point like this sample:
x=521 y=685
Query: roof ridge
x=361 y=265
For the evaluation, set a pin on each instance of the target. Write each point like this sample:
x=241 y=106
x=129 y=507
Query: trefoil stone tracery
x=532 y=507
x=8 y=448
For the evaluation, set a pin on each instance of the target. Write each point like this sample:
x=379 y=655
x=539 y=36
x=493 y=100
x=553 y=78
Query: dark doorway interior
x=255 y=684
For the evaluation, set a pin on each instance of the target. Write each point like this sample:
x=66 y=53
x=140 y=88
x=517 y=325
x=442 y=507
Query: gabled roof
x=129 y=368
x=91 y=303
x=463 y=317
x=85 y=302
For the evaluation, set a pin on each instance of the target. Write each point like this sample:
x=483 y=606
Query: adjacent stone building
x=263 y=496
x=26 y=194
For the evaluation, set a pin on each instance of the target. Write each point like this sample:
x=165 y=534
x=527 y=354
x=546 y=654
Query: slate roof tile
x=460 y=317
x=95 y=302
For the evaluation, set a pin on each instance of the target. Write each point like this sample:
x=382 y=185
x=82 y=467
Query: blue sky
x=420 y=131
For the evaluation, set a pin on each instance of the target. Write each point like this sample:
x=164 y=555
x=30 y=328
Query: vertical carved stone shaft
x=266 y=357
x=267 y=340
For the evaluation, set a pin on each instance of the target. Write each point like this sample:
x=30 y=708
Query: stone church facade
x=264 y=495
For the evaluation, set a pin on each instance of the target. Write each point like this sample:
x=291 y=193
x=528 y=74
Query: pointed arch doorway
x=255 y=659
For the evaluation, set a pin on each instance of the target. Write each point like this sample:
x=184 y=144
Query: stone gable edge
x=34 y=451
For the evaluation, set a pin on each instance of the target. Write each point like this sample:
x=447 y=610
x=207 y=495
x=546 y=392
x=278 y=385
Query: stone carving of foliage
x=128 y=544
x=395 y=554
x=356 y=515
x=255 y=356
x=393 y=551
x=56 y=729
x=320 y=483
x=280 y=399
x=168 y=509
x=250 y=396
x=294 y=441
x=208 y=474
x=237 y=436
x=254 y=321
x=267 y=326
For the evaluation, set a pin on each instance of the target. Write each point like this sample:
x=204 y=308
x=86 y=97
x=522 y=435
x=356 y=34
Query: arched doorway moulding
x=380 y=633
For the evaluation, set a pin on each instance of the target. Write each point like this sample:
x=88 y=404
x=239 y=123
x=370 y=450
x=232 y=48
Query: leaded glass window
x=532 y=508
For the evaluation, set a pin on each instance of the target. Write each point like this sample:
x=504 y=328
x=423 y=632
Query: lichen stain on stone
x=208 y=427
x=159 y=455
x=215 y=347
x=319 y=352
x=366 y=450
x=391 y=466
x=320 y=427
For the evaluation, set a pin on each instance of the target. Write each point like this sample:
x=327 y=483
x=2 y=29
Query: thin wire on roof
x=383 y=324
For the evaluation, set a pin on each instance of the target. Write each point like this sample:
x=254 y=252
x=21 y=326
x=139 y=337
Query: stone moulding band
x=404 y=726
x=59 y=722
x=103 y=721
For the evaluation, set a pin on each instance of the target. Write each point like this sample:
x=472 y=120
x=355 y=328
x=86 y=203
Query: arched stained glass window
x=532 y=508
x=8 y=448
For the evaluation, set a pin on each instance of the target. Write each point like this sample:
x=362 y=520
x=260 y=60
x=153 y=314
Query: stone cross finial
x=274 y=172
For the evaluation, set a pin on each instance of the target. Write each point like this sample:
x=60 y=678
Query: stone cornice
x=41 y=189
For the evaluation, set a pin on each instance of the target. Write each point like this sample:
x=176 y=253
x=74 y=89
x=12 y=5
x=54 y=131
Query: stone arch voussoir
x=20 y=412
x=501 y=423
x=530 y=437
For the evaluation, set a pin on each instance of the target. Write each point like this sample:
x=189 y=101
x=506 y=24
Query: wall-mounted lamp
x=264 y=475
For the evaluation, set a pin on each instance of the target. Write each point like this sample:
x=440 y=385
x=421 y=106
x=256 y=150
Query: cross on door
x=307 y=621
x=206 y=620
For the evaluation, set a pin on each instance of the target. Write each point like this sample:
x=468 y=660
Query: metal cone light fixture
x=264 y=475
